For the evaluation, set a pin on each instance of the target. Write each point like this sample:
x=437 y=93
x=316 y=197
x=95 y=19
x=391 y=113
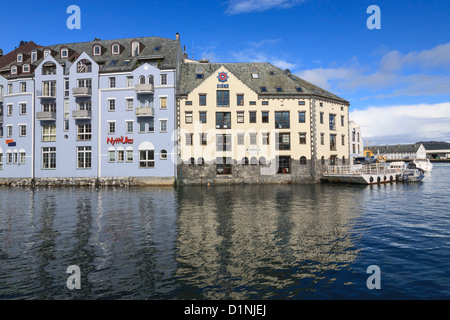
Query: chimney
x=1 y=53
x=177 y=36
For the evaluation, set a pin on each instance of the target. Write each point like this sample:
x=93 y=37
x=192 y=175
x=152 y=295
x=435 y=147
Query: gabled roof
x=269 y=76
x=399 y=148
x=11 y=57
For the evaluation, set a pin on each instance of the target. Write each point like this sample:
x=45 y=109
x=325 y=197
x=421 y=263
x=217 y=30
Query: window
x=253 y=138
x=283 y=141
x=129 y=154
x=202 y=100
x=22 y=108
x=299 y=89
x=240 y=139
x=252 y=116
x=111 y=104
x=284 y=165
x=97 y=50
x=240 y=100
x=200 y=161
x=253 y=161
x=84 y=105
x=223 y=98
x=49 y=88
x=49 y=158
x=33 y=56
x=48 y=68
x=188 y=139
x=10 y=88
x=9 y=131
x=223 y=142
x=263 y=89
x=66 y=125
x=244 y=161
x=281 y=119
x=188 y=103
x=64 y=53
x=163 y=155
x=303 y=160
x=332 y=142
x=49 y=133
x=163 y=79
x=146 y=126
x=301 y=117
x=115 y=49
x=223 y=165
x=1 y=161
x=19 y=57
x=240 y=117
x=47 y=52
x=265 y=103
x=265 y=116
x=135 y=49
x=84 y=132
x=202 y=115
x=26 y=68
x=265 y=138
x=321 y=117
x=279 y=89
x=223 y=120
x=343 y=139
x=163 y=125
x=49 y=107
x=84 y=66
x=112 y=82
x=130 y=82
x=129 y=104
x=9 y=157
x=84 y=83
x=188 y=117
x=14 y=70
x=163 y=102
x=84 y=157
x=9 y=111
x=129 y=126
x=322 y=138
x=146 y=158
x=332 y=122
x=22 y=130
x=301 y=103
x=111 y=155
x=203 y=139
x=302 y=137
x=252 y=103
x=111 y=127
x=120 y=154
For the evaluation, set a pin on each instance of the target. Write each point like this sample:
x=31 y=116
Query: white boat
x=398 y=165
x=411 y=174
x=361 y=174
x=423 y=164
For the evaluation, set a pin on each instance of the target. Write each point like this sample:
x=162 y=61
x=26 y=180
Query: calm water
x=240 y=242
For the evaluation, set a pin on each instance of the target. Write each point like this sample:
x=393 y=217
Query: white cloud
x=404 y=123
x=246 y=6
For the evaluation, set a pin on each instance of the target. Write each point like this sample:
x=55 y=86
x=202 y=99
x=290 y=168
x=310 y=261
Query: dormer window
x=47 y=52
x=64 y=53
x=135 y=49
x=14 y=70
x=19 y=58
x=115 y=49
x=199 y=72
x=26 y=68
x=97 y=51
x=33 y=56
x=84 y=66
x=255 y=73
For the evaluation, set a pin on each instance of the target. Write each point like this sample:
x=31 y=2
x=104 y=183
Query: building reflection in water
x=253 y=241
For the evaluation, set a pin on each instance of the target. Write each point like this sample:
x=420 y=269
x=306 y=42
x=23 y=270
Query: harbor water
x=313 y=241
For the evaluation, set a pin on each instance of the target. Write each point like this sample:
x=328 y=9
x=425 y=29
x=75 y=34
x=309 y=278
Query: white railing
x=363 y=169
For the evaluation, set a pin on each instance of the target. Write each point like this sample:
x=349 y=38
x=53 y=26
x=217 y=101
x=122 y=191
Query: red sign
x=113 y=141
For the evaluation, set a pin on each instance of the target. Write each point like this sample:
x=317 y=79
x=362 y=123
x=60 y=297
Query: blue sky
x=397 y=78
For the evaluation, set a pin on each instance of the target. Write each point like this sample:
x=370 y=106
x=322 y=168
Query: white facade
x=356 y=142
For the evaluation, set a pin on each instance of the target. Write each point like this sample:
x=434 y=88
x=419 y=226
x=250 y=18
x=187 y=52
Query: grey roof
x=436 y=146
x=152 y=49
x=269 y=76
x=399 y=148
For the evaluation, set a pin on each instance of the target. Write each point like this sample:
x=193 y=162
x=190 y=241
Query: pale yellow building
x=256 y=123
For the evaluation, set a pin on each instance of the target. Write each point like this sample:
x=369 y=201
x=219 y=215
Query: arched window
x=302 y=160
x=115 y=49
x=244 y=161
x=47 y=52
x=26 y=68
x=14 y=70
x=97 y=50
x=135 y=50
x=146 y=155
x=253 y=161
x=150 y=79
x=262 y=161
x=200 y=161
x=141 y=80
x=163 y=155
x=1 y=90
x=191 y=160
x=322 y=160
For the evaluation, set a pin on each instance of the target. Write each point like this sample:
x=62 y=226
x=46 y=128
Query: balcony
x=82 y=114
x=145 y=88
x=145 y=112
x=82 y=92
x=46 y=94
x=46 y=116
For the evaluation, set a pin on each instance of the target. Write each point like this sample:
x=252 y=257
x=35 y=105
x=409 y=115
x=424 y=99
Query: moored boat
x=411 y=174
x=423 y=164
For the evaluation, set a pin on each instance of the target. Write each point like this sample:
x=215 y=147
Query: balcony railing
x=82 y=114
x=46 y=94
x=145 y=112
x=144 y=88
x=46 y=116
x=81 y=92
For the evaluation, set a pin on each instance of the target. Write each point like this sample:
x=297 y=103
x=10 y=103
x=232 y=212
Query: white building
x=356 y=142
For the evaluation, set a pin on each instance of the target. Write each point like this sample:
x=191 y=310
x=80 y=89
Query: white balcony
x=46 y=94
x=145 y=112
x=46 y=116
x=81 y=92
x=82 y=114
x=144 y=88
